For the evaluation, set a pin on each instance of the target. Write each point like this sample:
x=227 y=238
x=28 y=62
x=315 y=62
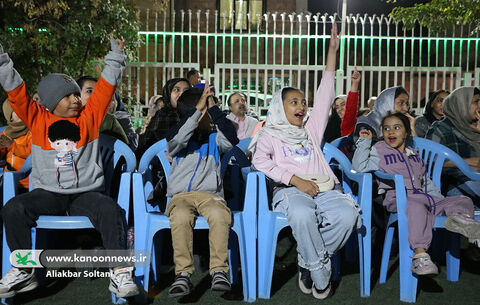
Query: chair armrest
x=400 y=191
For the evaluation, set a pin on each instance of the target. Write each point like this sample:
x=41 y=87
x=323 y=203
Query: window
x=236 y=11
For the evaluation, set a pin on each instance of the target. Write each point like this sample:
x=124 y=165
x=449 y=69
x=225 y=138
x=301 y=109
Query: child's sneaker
x=304 y=281
x=423 y=265
x=182 y=285
x=16 y=281
x=221 y=281
x=122 y=283
x=322 y=294
x=463 y=224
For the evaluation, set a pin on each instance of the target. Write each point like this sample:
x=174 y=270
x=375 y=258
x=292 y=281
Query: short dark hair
x=192 y=73
x=401 y=90
x=405 y=122
x=63 y=129
x=286 y=90
x=81 y=81
x=229 y=100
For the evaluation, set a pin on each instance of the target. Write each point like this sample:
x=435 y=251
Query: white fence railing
x=289 y=50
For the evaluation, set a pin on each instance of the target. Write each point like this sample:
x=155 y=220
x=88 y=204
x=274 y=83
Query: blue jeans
x=320 y=225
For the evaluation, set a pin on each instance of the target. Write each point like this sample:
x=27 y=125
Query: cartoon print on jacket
x=63 y=136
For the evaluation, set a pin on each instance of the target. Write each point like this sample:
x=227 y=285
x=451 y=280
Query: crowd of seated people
x=59 y=127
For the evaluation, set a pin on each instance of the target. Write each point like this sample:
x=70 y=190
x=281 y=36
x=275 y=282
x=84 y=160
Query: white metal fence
x=290 y=50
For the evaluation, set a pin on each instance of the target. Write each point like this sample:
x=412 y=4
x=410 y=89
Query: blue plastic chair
x=271 y=223
x=149 y=220
x=2 y=128
x=112 y=152
x=434 y=155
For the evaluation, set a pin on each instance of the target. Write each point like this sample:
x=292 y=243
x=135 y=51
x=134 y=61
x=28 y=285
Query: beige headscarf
x=456 y=107
x=14 y=129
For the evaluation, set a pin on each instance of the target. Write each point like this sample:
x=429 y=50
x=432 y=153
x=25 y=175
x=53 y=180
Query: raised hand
x=207 y=92
x=365 y=133
x=334 y=38
x=116 y=44
x=356 y=77
x=332 y=49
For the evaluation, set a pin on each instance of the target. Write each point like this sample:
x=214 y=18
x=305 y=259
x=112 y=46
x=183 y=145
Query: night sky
x=358 y=6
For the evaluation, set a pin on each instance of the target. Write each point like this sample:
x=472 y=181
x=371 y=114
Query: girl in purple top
x=321 y=222
x=393 y=155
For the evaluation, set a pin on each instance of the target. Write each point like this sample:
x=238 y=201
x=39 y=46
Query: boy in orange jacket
x=67 y=171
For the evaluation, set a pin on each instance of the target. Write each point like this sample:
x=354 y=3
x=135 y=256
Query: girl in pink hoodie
x=283 y=149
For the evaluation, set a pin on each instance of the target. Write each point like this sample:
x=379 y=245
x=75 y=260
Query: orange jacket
x=16 y=154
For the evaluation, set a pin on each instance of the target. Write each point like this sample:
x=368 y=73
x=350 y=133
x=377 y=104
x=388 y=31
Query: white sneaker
x=122 y=283
x=464 y=225
x=16 y=281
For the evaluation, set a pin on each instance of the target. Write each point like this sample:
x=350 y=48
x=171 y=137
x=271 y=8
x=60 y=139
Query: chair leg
x=387 y=246
x=365 y=259
x=267 y=245
x=233 y=257
x=453 y=256
x=408 y=281
x=247 y=246
x=146 y=274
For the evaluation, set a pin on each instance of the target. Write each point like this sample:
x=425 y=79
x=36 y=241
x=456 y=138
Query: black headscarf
x=167 y=90
x=162 y=121
x=428 y=111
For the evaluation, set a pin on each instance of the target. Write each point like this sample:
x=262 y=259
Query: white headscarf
x=278 y=126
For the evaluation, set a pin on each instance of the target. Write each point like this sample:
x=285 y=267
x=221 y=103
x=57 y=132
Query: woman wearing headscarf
x=460 y=131
x=164 y=118
x=432 y=112
x=15 y=142
x=394 y=99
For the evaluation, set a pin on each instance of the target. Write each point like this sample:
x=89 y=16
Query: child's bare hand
x=207 y=91
x=116 y=44
x=5 y=141
x=356 y=77
x=306 y=186
x=334 y=38
x=365 y=133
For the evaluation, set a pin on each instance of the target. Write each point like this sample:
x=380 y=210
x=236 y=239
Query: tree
x=440 y=15
x=64 y=36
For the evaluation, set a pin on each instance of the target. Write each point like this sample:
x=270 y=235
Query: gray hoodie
x=195 y=166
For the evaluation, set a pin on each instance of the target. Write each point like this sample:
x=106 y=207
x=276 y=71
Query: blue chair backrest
x=435 y=155
x=117 y=157
x=244 y=143
x=331 y=152
x=2 y=128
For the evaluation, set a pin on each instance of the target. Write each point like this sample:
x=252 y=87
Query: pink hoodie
x=280 y=161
